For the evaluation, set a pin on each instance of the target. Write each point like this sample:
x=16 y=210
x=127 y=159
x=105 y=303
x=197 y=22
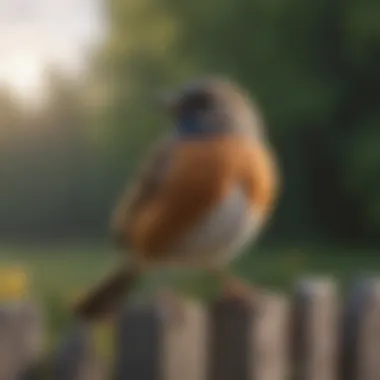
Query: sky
x=38 y=33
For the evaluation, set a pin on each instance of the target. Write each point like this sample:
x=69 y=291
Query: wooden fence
x=316 y=334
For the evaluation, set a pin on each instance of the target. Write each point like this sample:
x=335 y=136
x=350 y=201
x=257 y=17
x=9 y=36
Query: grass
x=58 y=274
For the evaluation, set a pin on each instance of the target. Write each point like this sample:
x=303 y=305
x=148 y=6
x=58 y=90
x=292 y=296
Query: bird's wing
x=107 y=296
x=200 y=176
x=142 y=189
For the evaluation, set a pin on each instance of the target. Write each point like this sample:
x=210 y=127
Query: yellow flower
x=13 y=283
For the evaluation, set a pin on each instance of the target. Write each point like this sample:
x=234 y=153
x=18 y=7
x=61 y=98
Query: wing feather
x=140 y=191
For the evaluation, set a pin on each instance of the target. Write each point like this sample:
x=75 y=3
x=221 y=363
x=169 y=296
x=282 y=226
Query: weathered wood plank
x=76 y=357
x=184 y=343
x=230 y=323
x=137 y=343
x=270 y=340
x=361 y=333
x=7 y=362
x=248 y=339
x=316 y=331
x=21 y=340
x=29 y=339
x=162 y=341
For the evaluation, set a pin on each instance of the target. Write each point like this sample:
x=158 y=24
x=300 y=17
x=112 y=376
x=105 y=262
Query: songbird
x=204 y=192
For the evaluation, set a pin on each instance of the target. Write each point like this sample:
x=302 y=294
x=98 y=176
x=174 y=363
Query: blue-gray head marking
x=213 y=107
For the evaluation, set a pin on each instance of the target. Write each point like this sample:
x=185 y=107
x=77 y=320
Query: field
x=58 y=275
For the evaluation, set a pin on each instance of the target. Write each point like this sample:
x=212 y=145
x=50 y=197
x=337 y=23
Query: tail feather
x=107 y=296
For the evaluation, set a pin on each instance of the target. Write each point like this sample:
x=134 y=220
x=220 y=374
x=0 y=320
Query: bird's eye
x=197 y=102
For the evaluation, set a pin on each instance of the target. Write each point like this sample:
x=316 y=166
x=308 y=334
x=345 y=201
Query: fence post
x=7 y=365
x=229 y=336
x=270 y=339
x=154 y=343
x=361 y=334
x=247 y=339
x=316 y=330
x=76 y=357
x=184 y=343
x=21 y=340
x=137 y=343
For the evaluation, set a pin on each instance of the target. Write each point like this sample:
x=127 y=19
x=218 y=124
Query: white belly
x=220 y=236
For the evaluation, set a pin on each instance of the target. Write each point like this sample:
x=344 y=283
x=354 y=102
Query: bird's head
x=213 y=107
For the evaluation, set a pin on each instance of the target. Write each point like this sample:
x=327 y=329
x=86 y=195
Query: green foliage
x=49 y=169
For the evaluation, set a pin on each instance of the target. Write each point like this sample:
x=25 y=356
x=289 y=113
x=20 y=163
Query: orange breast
x=201 y=174
x=258 y=172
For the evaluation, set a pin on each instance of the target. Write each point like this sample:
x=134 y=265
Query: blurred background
x=77 y=79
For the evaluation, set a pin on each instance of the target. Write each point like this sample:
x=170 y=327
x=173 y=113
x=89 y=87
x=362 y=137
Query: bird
x=202 y=193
